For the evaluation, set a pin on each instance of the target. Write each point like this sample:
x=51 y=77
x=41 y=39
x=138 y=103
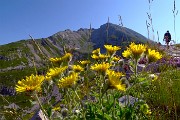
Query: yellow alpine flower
x=67 y=57
x=145 y=109
x=68 y=81
x=103 y=56
x=54 y=72
x=153 y=56
x=137 y=50
x=99 y=56
x=94 y=56
x=56 y=108
x=114 y=80
x=111 y=49
x=127 y=53
x=132 y=44
x=115 y=58
x=55 y=60
x=96 y=52
x=31 y=83
x=84 y=62
x=153 y=77
x=102 y=67
x=77 y=68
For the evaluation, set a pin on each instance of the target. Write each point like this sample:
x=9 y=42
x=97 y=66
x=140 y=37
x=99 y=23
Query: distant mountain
x=24 y=54
x=117 y=35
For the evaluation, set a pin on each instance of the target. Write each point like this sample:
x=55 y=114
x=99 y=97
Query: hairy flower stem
x=114 y=105
x=135 y=69
x=100 y=84
x=4 y=99
x=82 y=107
x=41 y=107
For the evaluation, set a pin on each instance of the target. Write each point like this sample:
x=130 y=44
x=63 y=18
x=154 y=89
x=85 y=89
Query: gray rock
x=39 y=115
x=127 y=100
x=12 y=106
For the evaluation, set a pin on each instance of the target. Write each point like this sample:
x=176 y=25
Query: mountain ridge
x=24 y=54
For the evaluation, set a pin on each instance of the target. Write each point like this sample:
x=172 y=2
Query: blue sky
x=42 y=18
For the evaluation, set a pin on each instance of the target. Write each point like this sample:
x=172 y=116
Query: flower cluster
x=134 y=50
x=100 y=79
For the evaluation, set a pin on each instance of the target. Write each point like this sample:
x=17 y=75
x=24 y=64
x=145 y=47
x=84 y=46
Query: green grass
x=10 y=78
x=164 y=94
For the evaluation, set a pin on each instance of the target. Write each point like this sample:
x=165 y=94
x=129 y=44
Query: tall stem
x=135 y=69
x=43 y=110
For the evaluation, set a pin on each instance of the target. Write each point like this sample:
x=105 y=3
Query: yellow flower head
x=99 y=56
x=137 y=50
x=153 y=56
x=103 y=56
x=114 y=80
x=77 y=68
x=67 y=57
x=100 y=67
x=94 y=56
x=126 y=53
x=54 y=72
x=68 y=81
x=84 y=62
x=56 y=108
x=31 y=83
x=115 y=58
x=55 y=60
x=111 y=49
x=96 y=52
x=153 y=77
x=145 y=109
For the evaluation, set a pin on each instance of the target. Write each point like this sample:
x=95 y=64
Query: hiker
x=167 y=38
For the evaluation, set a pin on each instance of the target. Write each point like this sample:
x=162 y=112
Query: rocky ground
x=173 y=51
